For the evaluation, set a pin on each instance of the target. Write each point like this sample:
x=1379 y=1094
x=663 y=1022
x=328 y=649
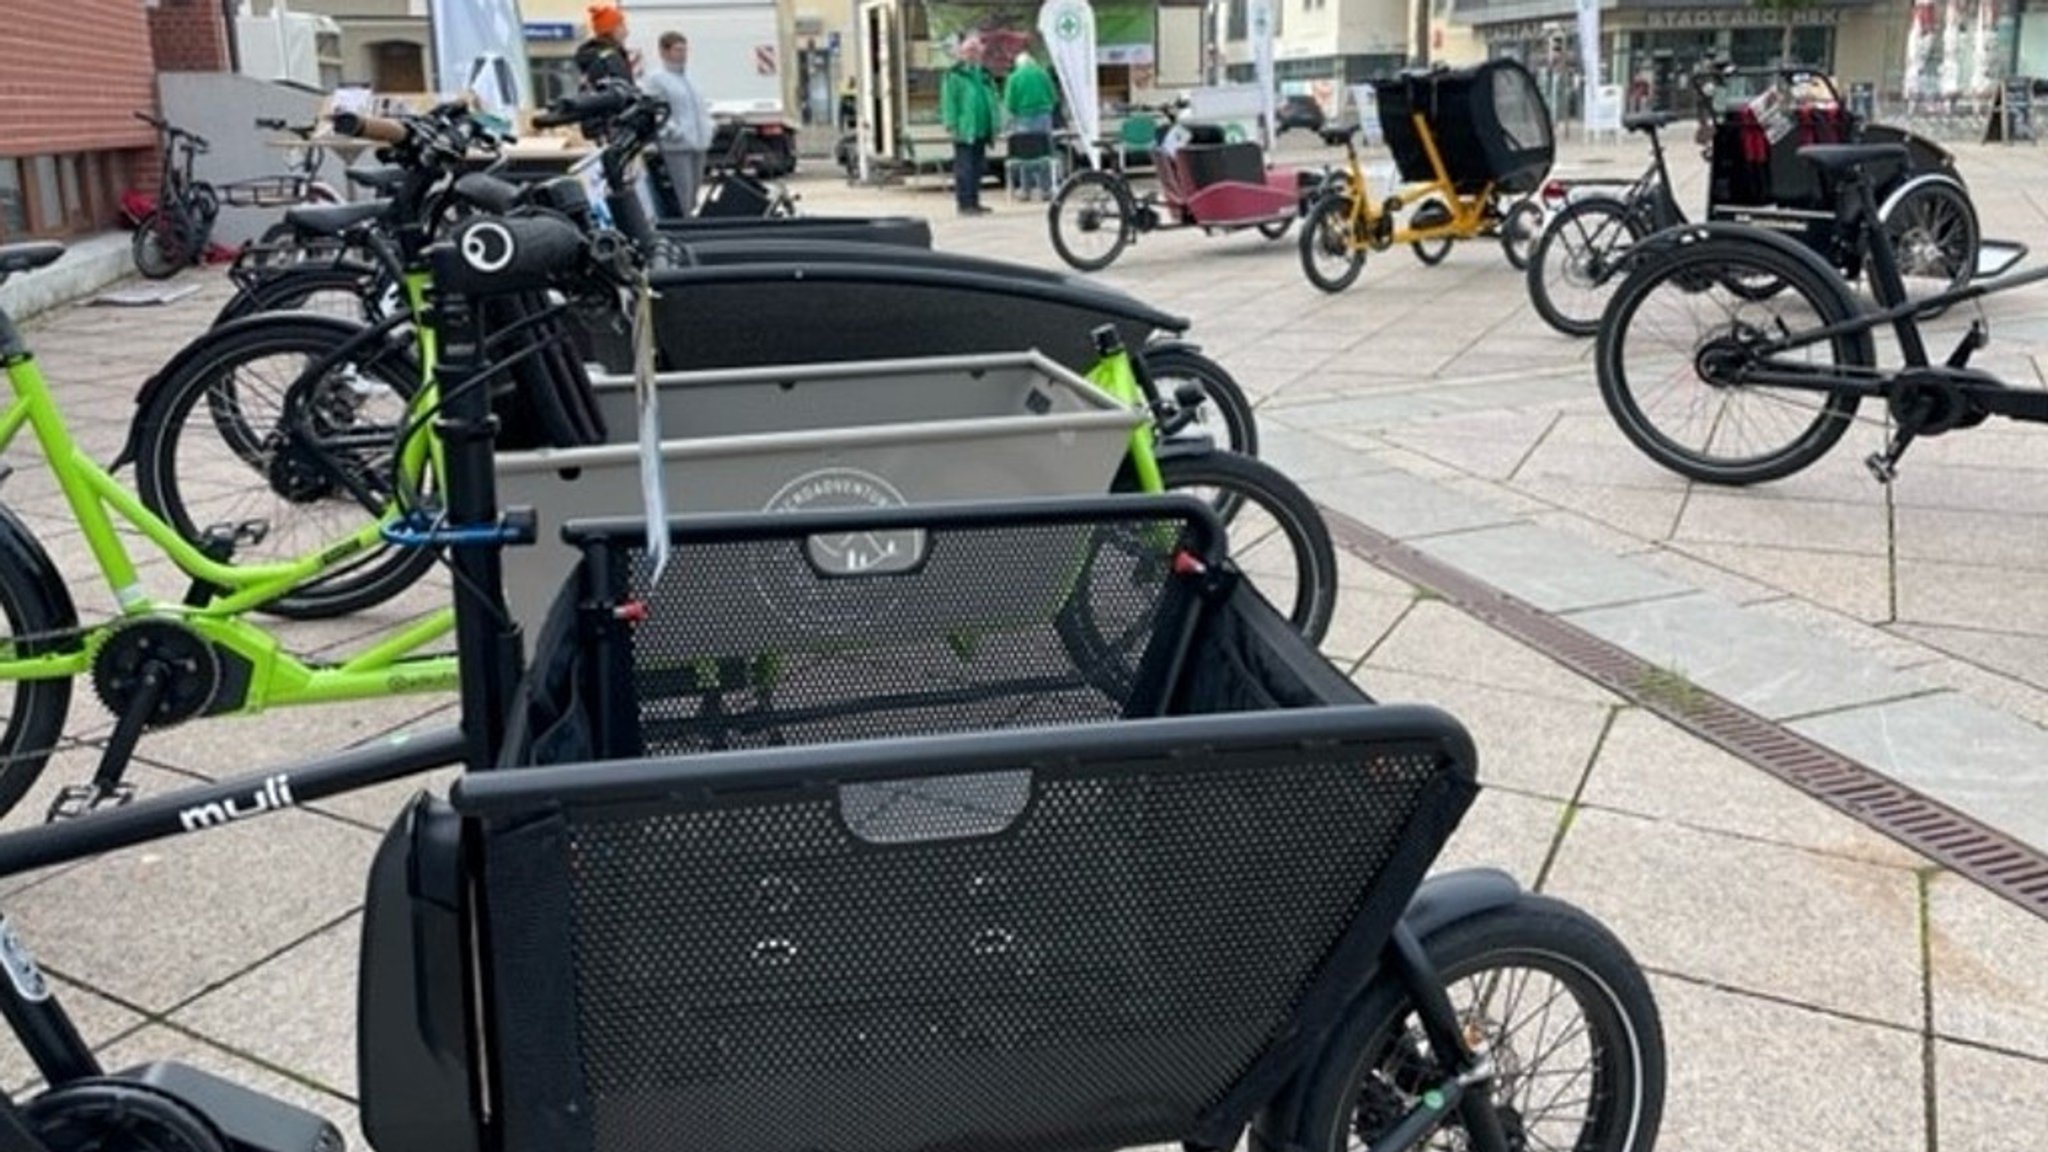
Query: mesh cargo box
x=973 y=867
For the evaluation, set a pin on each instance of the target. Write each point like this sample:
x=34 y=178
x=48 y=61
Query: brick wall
x=189 y=36
x=72 y=74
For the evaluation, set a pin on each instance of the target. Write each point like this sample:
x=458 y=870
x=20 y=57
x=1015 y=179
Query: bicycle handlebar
x=603 y=104
x=372 y=128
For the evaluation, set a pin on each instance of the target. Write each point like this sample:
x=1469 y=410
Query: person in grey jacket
x=686 y=134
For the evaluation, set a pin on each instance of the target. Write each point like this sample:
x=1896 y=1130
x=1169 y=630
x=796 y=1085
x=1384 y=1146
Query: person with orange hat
x=604 y=57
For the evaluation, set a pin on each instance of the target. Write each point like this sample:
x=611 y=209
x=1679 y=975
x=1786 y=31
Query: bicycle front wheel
x=1556 y=1002
x=1277 y=536
x=245 y=433
x=1331 y=257
x=1679 y=340
x=1578 y=261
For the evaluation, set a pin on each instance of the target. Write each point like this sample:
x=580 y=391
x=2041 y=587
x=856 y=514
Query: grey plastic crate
x=822 y=436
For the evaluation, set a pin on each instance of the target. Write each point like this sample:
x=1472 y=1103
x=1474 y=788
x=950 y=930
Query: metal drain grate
x=1990 y=857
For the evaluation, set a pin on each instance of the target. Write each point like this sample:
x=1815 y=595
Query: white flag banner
x=480 y=46
x=1068 y=29
x=1262 y=65
x=1589 y=57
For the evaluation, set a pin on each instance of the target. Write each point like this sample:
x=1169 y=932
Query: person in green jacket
x=1029 y=97
x=970 y=108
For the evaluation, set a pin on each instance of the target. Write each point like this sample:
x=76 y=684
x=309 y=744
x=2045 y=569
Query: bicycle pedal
x=1882 y=468
x=78 y=800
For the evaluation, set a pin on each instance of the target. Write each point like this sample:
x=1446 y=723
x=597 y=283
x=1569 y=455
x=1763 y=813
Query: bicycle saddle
x=1839 y=157
x=28 y=255
x=1648 y=121
x=333 y=219
x=377 y=179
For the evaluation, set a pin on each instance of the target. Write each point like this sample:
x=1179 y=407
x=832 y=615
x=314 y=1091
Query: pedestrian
x=1029 y=97
x=686 y=134
x=970 y=108
x=604 y=57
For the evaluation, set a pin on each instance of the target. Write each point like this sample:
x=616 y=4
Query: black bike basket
x=1040 y=831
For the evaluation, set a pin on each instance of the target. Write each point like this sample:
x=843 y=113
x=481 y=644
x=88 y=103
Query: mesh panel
x=961 y=630
x=761 y=977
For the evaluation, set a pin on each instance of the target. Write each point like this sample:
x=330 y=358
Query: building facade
x=72 y=77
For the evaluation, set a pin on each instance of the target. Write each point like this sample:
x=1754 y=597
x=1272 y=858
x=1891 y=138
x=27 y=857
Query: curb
x=88 y=265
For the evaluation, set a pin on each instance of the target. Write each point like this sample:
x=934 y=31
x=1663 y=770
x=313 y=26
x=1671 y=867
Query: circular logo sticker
x=487 y=246
x=833 y=593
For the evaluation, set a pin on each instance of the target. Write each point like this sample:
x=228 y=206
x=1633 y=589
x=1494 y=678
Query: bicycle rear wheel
x=1671 y=364
x=159 y=245
x=1091 y=220
x=1331 y=257
x=1277 y=537
x=245 y=433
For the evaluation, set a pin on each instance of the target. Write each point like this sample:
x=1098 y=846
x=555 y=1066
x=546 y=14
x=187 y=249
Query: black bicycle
x=174 y=233
x=1756 y=177
x=1729 y=388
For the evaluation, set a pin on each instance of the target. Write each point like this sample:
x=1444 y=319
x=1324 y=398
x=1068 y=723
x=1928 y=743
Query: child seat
x=929 y=898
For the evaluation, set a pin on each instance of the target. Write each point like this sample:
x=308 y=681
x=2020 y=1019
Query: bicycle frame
x=1368 y=216
x=390 y=666
x=1903 y=317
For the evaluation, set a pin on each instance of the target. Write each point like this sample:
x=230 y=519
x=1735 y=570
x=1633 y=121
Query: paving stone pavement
x=1821 y=986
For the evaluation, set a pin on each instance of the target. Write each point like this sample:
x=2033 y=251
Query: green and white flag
x=1068 y=29
x=1262 y=65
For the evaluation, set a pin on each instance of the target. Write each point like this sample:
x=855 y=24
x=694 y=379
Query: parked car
x=1300 y=112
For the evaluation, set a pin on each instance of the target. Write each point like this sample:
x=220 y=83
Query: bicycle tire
x=1694 y=274
x=1935 y=233
x=1169 y=367
x=155 y=248
x=1275 y=229
x=1328 y=234
x=1431 y=252
x=285 y=468
x=1266 y=492
x=1580 y=255
x=1104 y=193
x=1519 y=230
x=32 y=712
x=1366 y=1077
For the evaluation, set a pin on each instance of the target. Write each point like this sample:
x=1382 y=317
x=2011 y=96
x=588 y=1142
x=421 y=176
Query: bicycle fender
x=145 y=397
x=1676 y=239
x=1439 y=902
x=22 y=552
x=1906 y=188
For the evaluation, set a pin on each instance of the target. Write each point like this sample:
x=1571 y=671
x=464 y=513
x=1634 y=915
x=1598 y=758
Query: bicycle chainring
x=106 y=1115
x=187 y=659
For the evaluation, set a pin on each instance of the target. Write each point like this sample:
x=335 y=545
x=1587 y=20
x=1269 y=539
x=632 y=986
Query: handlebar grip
x=373 y=128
